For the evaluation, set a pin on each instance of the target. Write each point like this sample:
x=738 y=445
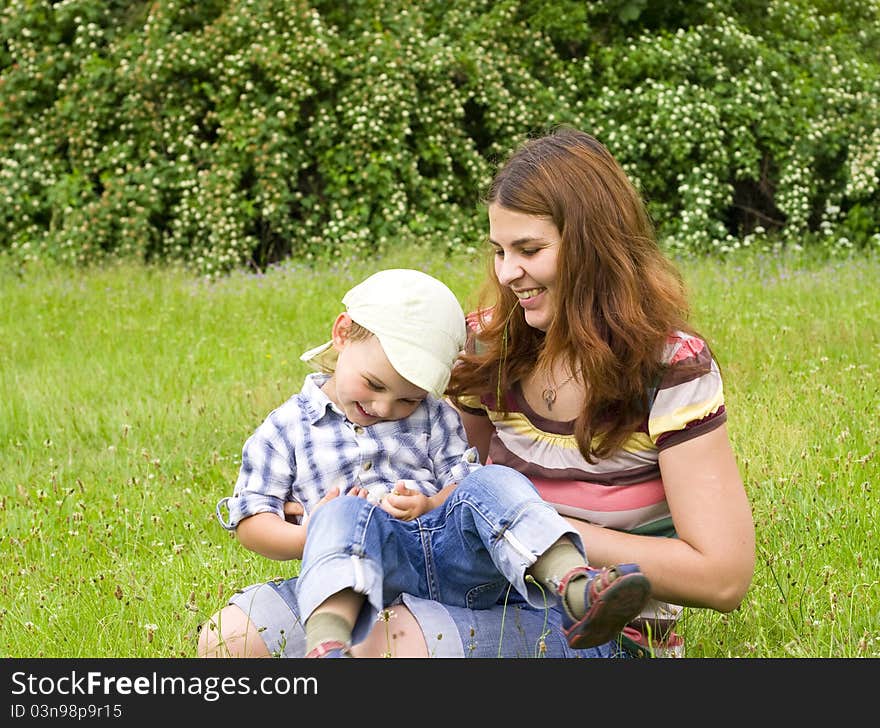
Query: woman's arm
x=712 y=561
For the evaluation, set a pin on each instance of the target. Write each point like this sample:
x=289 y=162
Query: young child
x=426 y=517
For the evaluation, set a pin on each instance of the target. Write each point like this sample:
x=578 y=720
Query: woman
x=583 y=374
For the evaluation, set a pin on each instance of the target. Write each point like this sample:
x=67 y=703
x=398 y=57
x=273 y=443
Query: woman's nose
x=507 y=269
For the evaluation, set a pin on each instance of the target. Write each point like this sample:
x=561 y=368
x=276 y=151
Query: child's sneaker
x=330 y=649
x=614 y=596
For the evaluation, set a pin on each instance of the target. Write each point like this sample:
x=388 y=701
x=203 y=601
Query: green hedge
x=239 y=133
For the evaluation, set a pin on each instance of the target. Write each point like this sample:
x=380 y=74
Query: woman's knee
x=229 y=633
x=397 y=633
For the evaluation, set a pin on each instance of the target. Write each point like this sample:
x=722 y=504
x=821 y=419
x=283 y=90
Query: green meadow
x=126 y=393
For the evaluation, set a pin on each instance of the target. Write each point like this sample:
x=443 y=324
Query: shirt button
x=366 y=466
x=358 y=430
x=471 y=457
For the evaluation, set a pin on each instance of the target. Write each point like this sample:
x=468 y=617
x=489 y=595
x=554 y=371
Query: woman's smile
x=531 y=298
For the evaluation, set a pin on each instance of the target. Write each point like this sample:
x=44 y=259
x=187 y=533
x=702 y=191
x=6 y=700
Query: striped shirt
x=307 y=446
x=624 y=491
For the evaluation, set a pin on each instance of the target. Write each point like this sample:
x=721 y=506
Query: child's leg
x=496 y=522
x=329 y=627
x=357 y=559
x=551 y=567
x=497 y=508
x=597 y=603
x=493 y=528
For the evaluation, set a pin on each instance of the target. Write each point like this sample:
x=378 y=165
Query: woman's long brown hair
x=619 y=298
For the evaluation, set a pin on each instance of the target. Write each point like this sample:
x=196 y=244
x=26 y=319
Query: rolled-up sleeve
x=268 y=469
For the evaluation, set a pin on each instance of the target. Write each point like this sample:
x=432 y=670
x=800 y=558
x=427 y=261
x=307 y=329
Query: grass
x=127 y=392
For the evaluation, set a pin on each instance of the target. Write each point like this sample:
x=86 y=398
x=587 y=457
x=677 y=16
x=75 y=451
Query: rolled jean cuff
x=541 y=529
x=335 y=572
x=439 y=629
x=272 y=609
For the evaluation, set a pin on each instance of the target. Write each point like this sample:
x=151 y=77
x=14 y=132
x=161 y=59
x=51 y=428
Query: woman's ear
x=341 y=330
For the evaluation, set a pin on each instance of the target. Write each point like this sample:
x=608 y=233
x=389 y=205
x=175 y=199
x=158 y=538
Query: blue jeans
x=464 y=553
x=511 y=629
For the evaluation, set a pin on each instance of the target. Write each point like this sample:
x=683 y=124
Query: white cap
x=417 y=319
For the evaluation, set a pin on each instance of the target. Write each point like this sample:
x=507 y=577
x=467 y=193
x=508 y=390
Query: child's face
x=365 y=386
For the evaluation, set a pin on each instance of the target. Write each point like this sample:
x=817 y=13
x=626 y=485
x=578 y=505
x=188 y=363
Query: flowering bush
x=744 y=125
x=238 y=133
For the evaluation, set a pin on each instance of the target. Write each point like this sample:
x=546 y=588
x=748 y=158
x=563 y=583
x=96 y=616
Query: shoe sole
x=618 y=605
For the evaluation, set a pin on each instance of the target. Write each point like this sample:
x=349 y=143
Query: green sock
x=554 y=564
x=326 y=627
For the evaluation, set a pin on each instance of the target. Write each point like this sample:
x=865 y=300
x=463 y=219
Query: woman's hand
x=293 y=511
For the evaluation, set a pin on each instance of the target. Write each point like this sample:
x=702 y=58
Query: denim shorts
x=511 y=630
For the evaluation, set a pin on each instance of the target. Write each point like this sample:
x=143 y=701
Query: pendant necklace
x=549 y=394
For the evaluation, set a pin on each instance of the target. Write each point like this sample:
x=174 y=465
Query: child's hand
x=405 y=504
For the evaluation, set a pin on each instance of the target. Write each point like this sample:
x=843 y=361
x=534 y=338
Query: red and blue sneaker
x=614 y=597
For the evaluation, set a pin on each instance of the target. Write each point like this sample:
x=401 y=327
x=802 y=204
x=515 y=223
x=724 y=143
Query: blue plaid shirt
x=307 y=446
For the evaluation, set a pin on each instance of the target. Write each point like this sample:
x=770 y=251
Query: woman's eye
x=527 y=252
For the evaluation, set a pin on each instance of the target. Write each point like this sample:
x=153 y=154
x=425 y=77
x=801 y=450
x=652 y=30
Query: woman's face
x=526 y=254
